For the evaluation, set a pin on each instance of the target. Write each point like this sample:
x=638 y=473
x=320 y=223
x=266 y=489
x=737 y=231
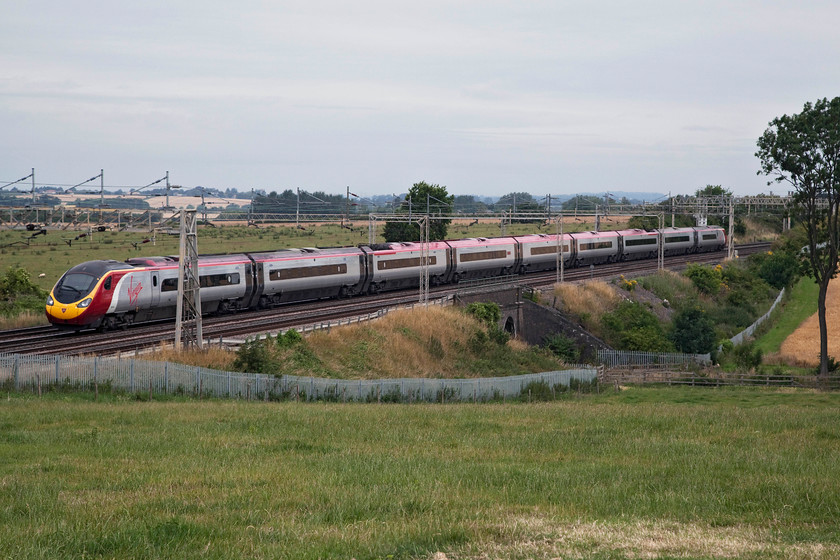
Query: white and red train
x=110 y=294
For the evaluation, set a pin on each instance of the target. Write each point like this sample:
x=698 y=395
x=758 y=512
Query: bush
x=747 y=356
x=633 y=327
x=693 y=331
x=254 y=356
x=288 y=339
x=779 y=269
x=18 y=293
x=706 y=279
x=564 y=348
x=487 y=313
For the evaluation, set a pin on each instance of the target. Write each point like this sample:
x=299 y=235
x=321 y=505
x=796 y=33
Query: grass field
x=643 y=473
x=800 y=304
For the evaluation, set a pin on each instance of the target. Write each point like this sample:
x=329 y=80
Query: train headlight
x=84 y=303
x=50 y=300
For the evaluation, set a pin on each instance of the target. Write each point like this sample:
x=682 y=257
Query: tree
x=713 y=190
x=422 y=199
x=693 y=331
x=803 y=150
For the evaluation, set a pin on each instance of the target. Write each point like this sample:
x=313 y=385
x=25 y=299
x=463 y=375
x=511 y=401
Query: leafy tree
x=713 y=190
x=803 y=150
x=521 y=201
x=583 y=203
x=422 y=198
x=777 y=268
x=693 y=331
x=633 y=327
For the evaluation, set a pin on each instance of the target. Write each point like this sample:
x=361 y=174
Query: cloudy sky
x=485 y=97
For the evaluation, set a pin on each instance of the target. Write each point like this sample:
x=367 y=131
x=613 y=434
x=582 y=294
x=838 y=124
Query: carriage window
x=154 y=280
x=642 y=241
x=483 y=256
x=548 y=250
x=403 y=263
x=677 y=239
x=596 y=245
x=708 y=236
x=169 y=285
x=307 y=271
x=108 y=283
x=214 y=280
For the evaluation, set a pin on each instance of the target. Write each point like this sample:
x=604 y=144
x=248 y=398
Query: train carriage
x=638 y=244
x=301 y=274
x=679 y=241
x=595 y=247
x=710 y=238
x=393 y=266
x=483 y=257
x=539 y=252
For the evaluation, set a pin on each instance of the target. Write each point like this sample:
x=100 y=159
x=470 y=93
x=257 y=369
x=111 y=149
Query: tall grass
x=430 y=342
x=641 y=473
x=588 y=301
x=23 y=320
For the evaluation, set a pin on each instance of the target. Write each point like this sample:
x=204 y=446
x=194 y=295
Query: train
x=109 y=294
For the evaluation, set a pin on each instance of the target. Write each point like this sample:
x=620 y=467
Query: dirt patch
x=803 y=345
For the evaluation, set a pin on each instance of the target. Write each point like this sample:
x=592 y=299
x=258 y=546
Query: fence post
x=131 y=374
x=96 y=378
x=57 y=366
x=165 y=378
x=16 y=369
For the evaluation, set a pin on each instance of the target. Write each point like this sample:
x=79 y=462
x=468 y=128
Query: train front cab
x=81 y=297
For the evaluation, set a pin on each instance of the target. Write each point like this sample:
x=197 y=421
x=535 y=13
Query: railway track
x=50 y=340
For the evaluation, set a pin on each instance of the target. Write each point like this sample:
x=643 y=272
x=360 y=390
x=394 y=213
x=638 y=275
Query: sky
x=484 y=97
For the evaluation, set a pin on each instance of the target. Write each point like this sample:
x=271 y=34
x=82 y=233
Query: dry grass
x=588 y=300
x=25 y=319
x=424 y=342
x=213 y=357
x=540 y=538
x=802 y=347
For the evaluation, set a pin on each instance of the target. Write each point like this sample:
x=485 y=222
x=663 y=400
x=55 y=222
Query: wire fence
x=37 y=373
x=635 y=359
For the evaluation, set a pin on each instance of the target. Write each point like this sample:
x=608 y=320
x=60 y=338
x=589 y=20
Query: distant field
x=643 y=473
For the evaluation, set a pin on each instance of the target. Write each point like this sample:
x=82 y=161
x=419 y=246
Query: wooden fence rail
x=630 y=377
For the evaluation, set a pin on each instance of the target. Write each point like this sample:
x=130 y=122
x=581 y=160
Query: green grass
x=664 y=472
x=800 y=304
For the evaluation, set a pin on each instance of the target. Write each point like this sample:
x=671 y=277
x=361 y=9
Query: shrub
x=693 y=331
x=779 y=268
x=564 y=348
x=487 y=313
x=254 y=356
x=288 y=338
x=633 y=327
x=706 y=279
x=747 y=356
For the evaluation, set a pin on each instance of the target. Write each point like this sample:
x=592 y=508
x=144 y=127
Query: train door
x=154 y=293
